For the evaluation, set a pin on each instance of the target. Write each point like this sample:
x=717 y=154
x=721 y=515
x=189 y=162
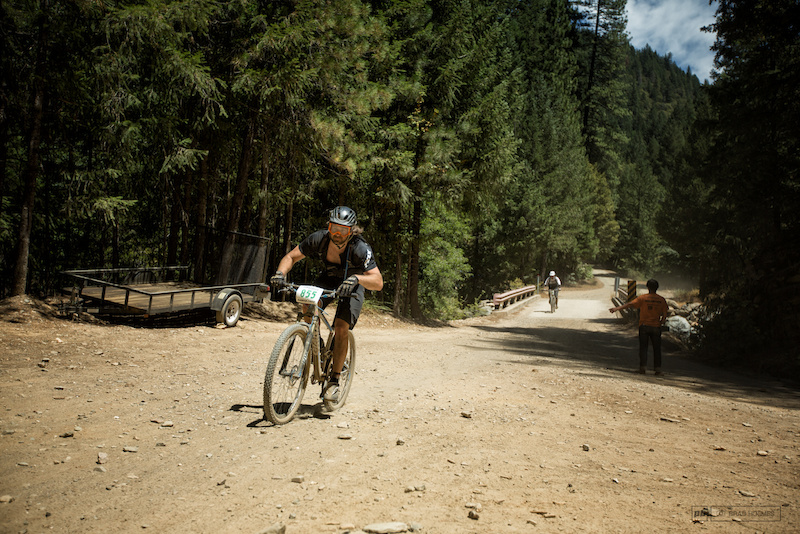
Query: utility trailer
x=156 y=291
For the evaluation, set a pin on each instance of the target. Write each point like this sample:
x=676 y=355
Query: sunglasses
x=339 y=229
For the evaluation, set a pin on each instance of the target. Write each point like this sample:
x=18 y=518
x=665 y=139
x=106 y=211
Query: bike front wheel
x=285 y=381
x=346 y=376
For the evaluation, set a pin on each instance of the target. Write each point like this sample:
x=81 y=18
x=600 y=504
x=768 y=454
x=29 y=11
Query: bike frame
x=300 y=353
x=551 y=293
x=311 y=346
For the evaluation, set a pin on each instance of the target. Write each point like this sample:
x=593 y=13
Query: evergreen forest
x=482 y=144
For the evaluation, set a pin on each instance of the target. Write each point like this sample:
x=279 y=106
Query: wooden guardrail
x=624 y=294
x=501 y=300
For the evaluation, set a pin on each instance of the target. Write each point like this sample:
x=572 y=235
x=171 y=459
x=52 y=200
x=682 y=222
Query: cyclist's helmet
x=344 y=216
x=552 y=273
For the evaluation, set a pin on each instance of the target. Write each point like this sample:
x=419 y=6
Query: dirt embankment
x=524 y=421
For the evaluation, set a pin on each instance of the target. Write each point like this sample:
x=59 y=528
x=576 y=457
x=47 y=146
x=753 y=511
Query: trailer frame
x=152 y=291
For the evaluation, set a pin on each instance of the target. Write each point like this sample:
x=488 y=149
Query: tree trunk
x=174 y=222
x=545 y=259
x=263 y=244
x=31 y=173
x=3 y=136
x=188 y=186
x=245 y=164
x=287 y=225
x=201 y=223
x=413 y=275
x=115 y=244
x=398 y=279
x=590 y=81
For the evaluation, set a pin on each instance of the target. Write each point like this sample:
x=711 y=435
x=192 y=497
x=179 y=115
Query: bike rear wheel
x=285 y=381
x=346 y=377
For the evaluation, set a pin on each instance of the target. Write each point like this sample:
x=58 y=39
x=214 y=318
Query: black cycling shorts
x=349 y=308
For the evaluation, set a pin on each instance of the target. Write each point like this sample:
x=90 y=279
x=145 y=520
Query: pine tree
x=754 y=223
x=546 y=221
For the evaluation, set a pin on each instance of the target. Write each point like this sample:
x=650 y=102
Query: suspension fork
x=308 y=349
x=313 y=348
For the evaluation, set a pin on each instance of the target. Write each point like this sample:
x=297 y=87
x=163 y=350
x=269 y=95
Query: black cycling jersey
x=355 y=258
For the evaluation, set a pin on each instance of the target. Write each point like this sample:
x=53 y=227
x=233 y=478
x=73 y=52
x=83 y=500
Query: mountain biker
x=553 y=283
x=350 y=268
x=653 y=311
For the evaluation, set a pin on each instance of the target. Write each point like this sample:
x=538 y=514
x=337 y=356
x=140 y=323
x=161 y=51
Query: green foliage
x=751 y=225
x=734 y=335
x=480 y=143
x=112 y=208
x=582 y=273
x=444 y=263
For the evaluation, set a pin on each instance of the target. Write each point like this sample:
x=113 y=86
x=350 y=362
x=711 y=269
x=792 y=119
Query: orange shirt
x=652 y=308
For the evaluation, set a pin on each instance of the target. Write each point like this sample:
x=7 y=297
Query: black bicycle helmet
x=344 y=216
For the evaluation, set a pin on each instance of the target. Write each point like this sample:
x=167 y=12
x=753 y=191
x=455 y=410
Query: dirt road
x=524 y=421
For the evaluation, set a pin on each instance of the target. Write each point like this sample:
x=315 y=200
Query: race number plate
x=309 y=294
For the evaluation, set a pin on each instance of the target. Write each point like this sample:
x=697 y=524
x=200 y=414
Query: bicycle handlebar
x=292 y=287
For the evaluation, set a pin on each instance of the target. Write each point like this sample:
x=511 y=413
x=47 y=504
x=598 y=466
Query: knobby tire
x=346 y=377
x=285 y=382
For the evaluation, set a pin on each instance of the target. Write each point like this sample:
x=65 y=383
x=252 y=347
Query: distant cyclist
x=553 y=283
x=350 y=268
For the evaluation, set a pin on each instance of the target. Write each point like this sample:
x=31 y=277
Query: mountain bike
x=553 y=305
x=300 y=354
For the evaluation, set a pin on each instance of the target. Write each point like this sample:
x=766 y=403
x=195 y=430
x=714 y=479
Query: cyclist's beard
x=339 y=241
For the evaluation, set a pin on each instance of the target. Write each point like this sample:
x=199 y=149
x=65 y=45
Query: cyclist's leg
x=307 y=314
x=340 y=329
x=347 y=313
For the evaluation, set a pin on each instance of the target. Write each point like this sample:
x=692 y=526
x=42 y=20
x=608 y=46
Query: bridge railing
x=622 y=294
x=501 y=300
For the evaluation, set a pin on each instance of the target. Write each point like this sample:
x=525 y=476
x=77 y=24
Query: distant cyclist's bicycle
x=553 y=297
x=300 y=353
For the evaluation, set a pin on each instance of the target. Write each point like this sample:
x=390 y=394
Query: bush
x=738 y=335
x=583 y=272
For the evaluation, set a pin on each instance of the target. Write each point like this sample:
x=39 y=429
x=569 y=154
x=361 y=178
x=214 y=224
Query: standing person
x=350 y=268
x=652 y=316
x=553 y=283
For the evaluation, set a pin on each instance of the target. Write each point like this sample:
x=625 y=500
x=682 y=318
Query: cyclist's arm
x=288 y=261
x=372 y=279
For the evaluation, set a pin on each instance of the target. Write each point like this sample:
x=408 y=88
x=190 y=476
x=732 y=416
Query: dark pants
x=653 y=334
x=348 y=309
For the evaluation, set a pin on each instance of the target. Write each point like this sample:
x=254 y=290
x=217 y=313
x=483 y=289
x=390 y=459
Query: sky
x=673 y=27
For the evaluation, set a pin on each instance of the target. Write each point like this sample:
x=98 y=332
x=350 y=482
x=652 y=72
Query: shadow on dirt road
x=581 y=335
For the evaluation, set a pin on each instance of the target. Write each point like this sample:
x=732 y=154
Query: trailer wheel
x=231 y=310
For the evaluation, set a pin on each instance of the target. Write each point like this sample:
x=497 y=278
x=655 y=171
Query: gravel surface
x=523 y=421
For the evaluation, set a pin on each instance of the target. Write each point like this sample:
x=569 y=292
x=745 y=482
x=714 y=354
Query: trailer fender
x=228 y=305
x=261 y=292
